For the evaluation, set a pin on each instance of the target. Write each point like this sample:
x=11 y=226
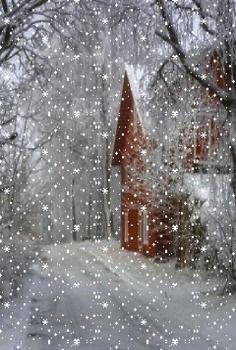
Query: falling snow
x=118 y=174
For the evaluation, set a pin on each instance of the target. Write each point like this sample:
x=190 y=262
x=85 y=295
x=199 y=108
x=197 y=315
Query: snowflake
x=174 y=341
x=45 y=266
x=104 y=20
x=143 y=266
x=76 y=171
x=45 y=152
x=175 y=114
x=76 y=285
x=175 y=228
x=76 y=114
x=104 y=249
x=76 y=228
x=45 y=207
x=143 y=152
x=105 y=305
x=44 y=321
x=45 y=94
x=203 y=305
x=143 y=322
x=76 y=341
x=175 y=170
x=203 y=135
x=6 y=20
x=7 y=191
x=104 y=190
x=7 y=305
x=45 y=39
x=6 y=249
x=105 y=135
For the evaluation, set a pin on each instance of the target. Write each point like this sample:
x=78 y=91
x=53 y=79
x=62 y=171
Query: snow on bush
x=215 y=210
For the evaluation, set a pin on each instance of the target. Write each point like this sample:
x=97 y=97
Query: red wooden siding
x=139 y=215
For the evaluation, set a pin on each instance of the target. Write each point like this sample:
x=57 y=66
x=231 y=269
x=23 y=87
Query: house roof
x=125 y=113
x=130 y=101
x=135 y=77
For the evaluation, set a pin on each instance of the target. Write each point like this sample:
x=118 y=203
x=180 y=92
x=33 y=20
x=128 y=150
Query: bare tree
x=198 y=39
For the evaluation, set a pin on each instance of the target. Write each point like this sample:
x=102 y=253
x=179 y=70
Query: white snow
x=135 y=76
x=105 y=297
x=185 y=297
x=14 y=318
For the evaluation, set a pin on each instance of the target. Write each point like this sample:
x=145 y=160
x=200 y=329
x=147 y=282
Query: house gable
x=131 y=149
x=125 y=120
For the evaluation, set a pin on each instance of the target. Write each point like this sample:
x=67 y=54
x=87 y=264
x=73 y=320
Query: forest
x=118 y=156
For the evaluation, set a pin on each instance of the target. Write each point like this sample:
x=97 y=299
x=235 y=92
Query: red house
x=207 y=139
x=144 y=226
x=138 y=213
x=205 y=144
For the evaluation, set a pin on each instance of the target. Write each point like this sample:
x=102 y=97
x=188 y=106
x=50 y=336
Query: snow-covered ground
x=96 y=296
x=184 y=297
x=15 y=315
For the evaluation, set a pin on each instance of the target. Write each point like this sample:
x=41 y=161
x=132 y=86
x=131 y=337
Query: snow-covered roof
x=135 y=76
x=131 y=96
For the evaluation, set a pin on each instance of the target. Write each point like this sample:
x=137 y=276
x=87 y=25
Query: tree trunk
x=233 y=181
x=184 y=234
x=232 y=119
x=74 y=235
x=89 y=216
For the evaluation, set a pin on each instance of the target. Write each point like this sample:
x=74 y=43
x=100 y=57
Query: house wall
x=139 y=215
x=139 y=232
x=204 y=146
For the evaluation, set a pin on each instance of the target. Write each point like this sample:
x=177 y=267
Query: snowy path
x=80 y=303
